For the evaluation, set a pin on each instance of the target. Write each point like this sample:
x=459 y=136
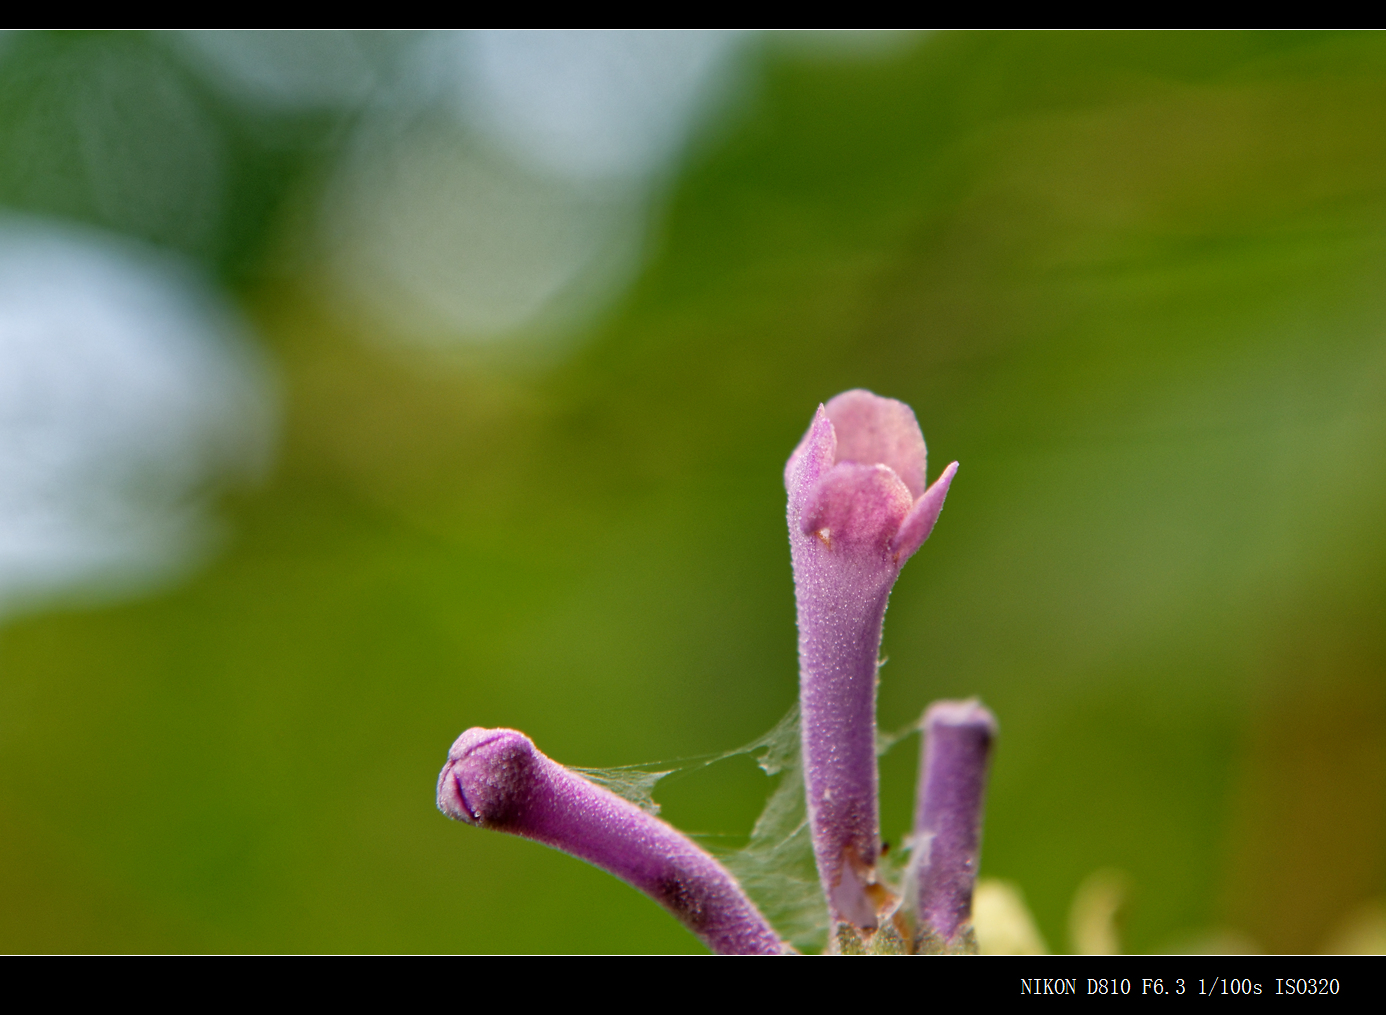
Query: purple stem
x=839 y=640
x=498 y=779
x=858 y=509
x=948 y=815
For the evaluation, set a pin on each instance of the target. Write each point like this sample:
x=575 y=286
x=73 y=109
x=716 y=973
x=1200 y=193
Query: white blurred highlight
x=505 y=185
x=128 y=397
x=590 y=106
x=287 y=71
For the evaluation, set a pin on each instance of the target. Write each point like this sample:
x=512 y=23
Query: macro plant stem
x=858 y=509
x=948 y=820
x=498 y=779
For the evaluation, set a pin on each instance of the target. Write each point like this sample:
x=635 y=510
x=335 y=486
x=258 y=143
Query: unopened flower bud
x=948 y=818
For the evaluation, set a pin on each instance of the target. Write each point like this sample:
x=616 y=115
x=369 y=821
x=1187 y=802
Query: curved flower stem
x=498 y=779
x=948 y=819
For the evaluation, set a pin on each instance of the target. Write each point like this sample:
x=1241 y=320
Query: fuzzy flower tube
x=858 y=509
x=948 y=822
x=498 y=779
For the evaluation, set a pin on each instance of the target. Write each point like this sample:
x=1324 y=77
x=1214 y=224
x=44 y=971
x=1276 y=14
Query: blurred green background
x=1132 y=282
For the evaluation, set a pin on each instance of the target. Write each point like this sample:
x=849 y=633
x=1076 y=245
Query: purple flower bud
x=948 y=818
x=858 y=509
x=498 y=779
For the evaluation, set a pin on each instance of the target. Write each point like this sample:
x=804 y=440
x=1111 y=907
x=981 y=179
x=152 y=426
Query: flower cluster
x=858 y=509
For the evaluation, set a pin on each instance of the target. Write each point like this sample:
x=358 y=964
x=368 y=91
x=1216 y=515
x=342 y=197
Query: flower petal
x=856 y=506
x=812 y=458
x=879 y=431
x=920 y=522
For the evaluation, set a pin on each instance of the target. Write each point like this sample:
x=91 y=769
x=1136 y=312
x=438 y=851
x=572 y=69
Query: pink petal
x=812 y=458
x=879 y=431
x=920 y=523
x=856 y=505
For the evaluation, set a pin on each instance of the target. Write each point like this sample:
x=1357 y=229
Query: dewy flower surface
x=858 y=509
x=498 y=779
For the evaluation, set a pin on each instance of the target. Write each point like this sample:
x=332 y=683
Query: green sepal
x=848 y=940
x=887 y=941
x=963 y=943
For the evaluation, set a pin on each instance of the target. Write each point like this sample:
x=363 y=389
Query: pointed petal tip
x=939 y=487
x=919 y=524
x=813 y=455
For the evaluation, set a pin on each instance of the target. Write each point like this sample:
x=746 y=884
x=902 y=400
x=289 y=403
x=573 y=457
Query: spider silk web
x=776 y=866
